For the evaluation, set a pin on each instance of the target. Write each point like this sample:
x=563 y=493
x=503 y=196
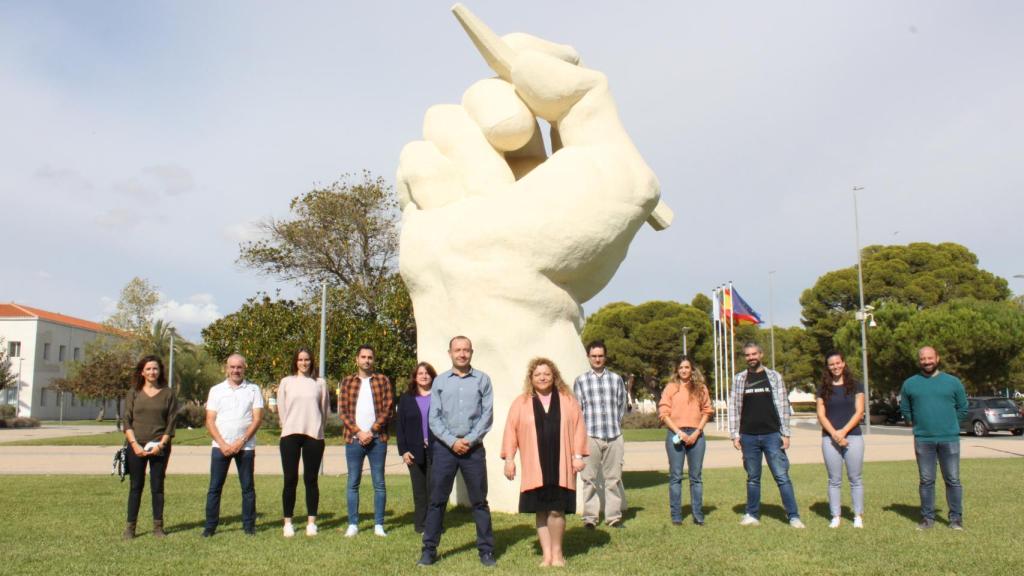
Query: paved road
x=884 y=444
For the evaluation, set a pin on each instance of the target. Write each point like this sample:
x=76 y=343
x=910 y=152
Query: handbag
x=120 y=464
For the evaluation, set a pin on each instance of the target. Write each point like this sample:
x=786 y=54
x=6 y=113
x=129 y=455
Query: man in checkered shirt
x=602 y=396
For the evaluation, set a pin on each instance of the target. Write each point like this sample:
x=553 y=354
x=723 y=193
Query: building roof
x=12 y=310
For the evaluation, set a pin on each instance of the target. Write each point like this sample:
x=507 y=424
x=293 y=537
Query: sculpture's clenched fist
x=502 y=242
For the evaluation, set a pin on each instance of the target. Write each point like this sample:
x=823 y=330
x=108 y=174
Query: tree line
x=345 y=236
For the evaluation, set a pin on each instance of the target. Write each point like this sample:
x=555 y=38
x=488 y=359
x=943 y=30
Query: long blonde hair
x=556 y=377
x=697 y=387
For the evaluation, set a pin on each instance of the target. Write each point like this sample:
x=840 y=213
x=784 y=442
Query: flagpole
x=732 y=332
x=323 y=346
x=714 y=348
x=726 y=377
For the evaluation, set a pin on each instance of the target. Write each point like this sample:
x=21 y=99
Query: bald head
x=928 y=360
x=235 y=369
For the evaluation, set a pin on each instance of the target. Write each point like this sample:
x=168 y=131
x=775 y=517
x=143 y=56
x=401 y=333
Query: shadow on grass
x=502 y=540
x=822 y=509
x=911 y=512
x=688 y=511
x=773 y=511
x=225 y=524
x=636 y=480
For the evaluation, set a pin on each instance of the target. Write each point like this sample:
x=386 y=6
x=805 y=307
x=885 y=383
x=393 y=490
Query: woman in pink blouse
x=545 y=425
x=302 y=407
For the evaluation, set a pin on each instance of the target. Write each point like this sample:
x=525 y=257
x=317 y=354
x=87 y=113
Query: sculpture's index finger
x=495 y=51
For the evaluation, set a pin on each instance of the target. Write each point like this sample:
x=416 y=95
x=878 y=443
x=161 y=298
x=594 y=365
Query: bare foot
x=544 y=564
x=558 y=563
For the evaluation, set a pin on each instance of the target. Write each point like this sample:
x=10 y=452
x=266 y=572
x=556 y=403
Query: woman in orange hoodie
x=685 y=408
x=545 y=425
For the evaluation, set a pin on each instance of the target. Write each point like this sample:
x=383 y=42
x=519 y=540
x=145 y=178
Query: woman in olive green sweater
x=150 y=408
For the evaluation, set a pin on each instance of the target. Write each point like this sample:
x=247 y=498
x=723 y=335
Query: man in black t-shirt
x=759 y=425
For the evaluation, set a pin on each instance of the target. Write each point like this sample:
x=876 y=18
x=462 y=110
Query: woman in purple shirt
x=414 y=436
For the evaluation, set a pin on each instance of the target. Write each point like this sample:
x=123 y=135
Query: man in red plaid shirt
x=365 y=402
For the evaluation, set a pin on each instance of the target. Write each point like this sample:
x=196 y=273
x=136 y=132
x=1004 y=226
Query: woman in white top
x=302 y=407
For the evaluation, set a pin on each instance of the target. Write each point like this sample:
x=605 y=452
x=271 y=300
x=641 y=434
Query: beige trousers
x=602 y=480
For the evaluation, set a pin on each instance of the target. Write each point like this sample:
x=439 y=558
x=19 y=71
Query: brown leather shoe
x=129 y=531
x=158 y=529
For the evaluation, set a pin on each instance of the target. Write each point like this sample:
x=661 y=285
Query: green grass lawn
x=182 y=437
x=72 y=525
x=90 y=422
x=198 y=437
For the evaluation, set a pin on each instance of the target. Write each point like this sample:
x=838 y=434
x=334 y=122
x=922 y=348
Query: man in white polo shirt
x=234 y=411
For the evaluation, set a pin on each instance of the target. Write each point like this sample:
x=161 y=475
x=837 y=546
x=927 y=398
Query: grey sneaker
x=956 y=524
x=926 y=524
x=796 y=523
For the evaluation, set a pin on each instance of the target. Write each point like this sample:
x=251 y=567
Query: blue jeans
x=245 y=461
x=770 y=445
x=677 y=454
x=948 y=456
x=474 y=472
x=355 y=452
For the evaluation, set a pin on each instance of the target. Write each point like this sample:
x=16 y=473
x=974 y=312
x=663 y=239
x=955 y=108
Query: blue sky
x=145 y=138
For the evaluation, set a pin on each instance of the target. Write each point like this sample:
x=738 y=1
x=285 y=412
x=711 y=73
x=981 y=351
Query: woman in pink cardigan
x=545 y=425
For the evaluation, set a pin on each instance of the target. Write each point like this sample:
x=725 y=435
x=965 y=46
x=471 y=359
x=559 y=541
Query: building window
x=14 y=349
x=77 y=354
x=61 y=353
x=46 y=350
x=42 y=396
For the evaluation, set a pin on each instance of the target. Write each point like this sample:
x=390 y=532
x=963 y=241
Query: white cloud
x=63 y=179
x=198 y=311
x=109 y=305
x=174 y=180
x=118 y=218
x=242 y=232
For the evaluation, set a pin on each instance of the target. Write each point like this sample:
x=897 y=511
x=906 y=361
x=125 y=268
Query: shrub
x=19 y=423
x=804 y=407
x=635 y=420
x=191 y=415
x=7 y=411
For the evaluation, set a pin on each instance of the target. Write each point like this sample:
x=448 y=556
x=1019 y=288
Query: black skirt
x=548 y=499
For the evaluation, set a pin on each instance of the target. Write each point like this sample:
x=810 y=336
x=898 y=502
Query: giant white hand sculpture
x=502 y=243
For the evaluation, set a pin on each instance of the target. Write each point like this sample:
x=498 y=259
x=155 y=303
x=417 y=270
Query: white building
x=40 y=345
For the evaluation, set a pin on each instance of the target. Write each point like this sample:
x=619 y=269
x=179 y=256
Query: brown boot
x=129 y=531
x=158 y=529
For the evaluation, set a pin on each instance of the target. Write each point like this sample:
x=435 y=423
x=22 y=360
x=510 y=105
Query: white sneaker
x=749 y=520
x=796 y=523
x=835 y=522
x=311 y=530
x=352 y=531
x=378 y=530
x=289 y=531
x=858 y=522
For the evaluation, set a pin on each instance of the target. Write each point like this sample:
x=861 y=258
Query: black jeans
x=419 y=473
x=312 y=452
x=137 y=471
x=446 y=464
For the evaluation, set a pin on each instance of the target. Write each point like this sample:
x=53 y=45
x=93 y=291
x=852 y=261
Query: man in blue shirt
x=461 y=414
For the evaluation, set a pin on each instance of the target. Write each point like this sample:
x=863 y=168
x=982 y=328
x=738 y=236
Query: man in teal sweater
x=934 y=402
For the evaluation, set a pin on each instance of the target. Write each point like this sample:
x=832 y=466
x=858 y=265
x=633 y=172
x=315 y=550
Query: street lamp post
x=771 y=319
x=685 y=330
x=862 y=314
